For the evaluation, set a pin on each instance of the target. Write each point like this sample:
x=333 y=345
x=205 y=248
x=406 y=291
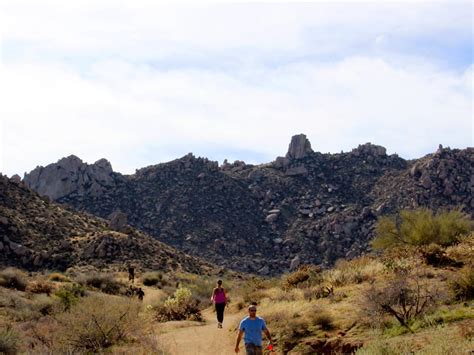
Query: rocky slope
x=306 y=207
x=38 y=234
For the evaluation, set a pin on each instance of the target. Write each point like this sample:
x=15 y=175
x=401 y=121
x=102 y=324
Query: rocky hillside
x=38 y=234
x=306 y=207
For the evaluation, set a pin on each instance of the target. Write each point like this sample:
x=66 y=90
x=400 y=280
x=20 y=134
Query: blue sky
x=141 y=82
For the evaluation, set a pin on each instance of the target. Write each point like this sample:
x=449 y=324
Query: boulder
x=271 y=218
x=281 y=163
x=118 y=221
x=295 y=263
x=299 y=147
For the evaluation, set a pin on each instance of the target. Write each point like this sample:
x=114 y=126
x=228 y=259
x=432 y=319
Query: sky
x=144 y=82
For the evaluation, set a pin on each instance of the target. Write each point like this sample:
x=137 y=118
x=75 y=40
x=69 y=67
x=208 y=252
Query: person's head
x=219 y=283
x=252 y=310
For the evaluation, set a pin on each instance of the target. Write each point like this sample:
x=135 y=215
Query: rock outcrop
x=308 y=206
x=71 y=175
x=299 y=147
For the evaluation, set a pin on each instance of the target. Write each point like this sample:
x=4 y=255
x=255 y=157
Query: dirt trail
x=206 y=339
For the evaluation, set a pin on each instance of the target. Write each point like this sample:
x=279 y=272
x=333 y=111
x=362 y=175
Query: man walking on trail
x=251 y=328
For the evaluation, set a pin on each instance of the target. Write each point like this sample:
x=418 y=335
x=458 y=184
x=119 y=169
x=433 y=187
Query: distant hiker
x=220 y=299
x=131 y=274
x=140 y=294
x=252 y=326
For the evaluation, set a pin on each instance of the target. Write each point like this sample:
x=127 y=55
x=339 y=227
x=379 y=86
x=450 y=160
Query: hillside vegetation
x=406 y=298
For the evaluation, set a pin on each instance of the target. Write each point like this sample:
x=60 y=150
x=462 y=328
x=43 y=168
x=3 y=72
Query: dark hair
x=219 y=282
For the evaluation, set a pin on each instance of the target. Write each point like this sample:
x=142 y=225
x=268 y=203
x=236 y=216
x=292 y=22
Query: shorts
x=253 y=349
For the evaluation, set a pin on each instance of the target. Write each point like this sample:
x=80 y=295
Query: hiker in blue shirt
x=251 y=328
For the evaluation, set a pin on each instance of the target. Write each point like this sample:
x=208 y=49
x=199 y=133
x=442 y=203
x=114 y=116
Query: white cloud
x=140 y=83
x=52 y=111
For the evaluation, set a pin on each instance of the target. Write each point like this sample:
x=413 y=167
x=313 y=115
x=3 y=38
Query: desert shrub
x=405 y=297
x=39 y=287
x=58 y=277
x=322 y=320
x=43 y=305
x=354 y=271
x=462 y=251
x=96 y=323
x=435 y=255
x=401 y=259
x=180 y=306
x=69 y=295
x=13 y=278
x=152 y=278
x=292 y=330
x=384 y=347
x=253 y=290
x=304 y=276
x=421 y=227
x=24 y=309
x=462 y=286
x=9 y=340
x=318 y=292
x=103 y=282
x=296 y=278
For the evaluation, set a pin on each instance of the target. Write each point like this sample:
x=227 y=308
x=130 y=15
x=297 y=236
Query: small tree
x=421 y=227
x=405 y=298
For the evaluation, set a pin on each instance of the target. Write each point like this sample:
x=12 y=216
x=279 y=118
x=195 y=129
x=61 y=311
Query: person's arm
x=267 y=334
x=239 y=338
x=213 y=295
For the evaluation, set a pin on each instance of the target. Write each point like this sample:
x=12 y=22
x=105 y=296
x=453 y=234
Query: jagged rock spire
x=299 y=147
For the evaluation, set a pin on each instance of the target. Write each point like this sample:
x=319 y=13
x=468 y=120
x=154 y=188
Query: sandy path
x=205 y=339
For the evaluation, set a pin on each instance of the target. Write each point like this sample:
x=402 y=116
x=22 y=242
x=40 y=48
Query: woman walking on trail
x=220 y=299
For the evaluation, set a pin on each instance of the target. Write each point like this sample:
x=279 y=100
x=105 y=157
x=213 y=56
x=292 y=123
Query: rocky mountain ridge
x=38 y=234
x=306 y=207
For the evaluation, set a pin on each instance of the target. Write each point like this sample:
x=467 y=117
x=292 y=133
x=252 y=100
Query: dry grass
x=436 y=340
x=9 y=340
x=58 y=277
x=353 y=272
x=13 y=278
x=98 y=322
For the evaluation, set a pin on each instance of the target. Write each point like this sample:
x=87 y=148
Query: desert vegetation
x=406 y=297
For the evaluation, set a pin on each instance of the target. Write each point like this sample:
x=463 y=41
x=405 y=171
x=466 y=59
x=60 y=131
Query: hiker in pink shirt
x=220 y=299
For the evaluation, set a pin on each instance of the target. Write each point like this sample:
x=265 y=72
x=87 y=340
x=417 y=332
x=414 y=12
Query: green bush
x=69 y=295
x=180 y=306
x=9 y=341
x=13 y=278
x=152 y=278
x=421 y=227
x=103 y=282
x=462 y=286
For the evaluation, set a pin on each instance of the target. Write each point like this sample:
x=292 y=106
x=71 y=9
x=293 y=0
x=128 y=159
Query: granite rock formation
x=258 y=218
